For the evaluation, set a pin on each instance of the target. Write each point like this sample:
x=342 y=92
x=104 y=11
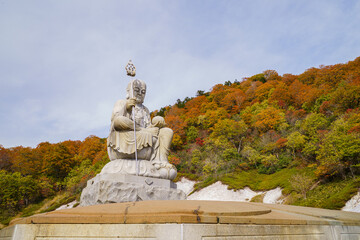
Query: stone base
x=178 y=232
x=144 y=168
x=116 y=188
x=186 y=220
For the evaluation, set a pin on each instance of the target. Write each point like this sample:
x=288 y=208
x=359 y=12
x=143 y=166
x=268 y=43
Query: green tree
x=296 y=141
x=258 y=77
x=221 y=153
x=314 y=122
x=79 y=175
x=252 y=156
x=312 y=125
x=17 y=191
x=269 y=163
x=249 y=114
x=196 y=161
x=233 y=130
x=301 y=183
x=340 y=150
x=191 y=134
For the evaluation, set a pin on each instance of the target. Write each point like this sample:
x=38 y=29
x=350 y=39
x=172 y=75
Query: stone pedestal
x=186 y=220
x=116 y=188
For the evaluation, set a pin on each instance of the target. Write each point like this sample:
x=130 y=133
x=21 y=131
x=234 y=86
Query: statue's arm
x=122 y=123
x=119 y=119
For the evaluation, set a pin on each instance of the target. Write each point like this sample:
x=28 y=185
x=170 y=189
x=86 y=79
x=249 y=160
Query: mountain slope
x=298 y=132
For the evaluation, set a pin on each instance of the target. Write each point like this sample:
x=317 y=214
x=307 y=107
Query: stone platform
x=186 y=220
x=115 y=188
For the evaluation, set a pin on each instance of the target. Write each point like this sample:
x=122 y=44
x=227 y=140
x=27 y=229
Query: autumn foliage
x=269 y=122
x=29 y=175
x=265 y=123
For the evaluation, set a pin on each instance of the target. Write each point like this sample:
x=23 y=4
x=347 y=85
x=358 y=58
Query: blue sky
x=62 y=62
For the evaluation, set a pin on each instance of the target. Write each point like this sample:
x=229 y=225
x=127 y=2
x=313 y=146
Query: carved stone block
x=116 y=188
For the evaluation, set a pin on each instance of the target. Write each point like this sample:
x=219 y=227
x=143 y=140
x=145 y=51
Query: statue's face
x=139 y=91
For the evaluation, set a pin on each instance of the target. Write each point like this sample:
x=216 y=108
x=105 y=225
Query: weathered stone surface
x=116 y=188
x=178 y=232
x=135 y=136
x=192 y=211
x=187 y=220
x=138 y=149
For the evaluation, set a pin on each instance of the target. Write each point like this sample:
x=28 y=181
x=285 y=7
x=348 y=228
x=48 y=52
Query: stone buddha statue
x=150 y=141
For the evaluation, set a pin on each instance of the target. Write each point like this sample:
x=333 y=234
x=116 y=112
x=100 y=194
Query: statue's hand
x=153 y=130
x=158 y=121
x=164 y=165
x=130 y=103
x=157 y=166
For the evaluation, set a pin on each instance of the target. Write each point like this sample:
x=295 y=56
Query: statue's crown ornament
x=130 y=69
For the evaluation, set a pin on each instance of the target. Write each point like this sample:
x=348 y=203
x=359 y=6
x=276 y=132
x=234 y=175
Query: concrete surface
x=179 y=220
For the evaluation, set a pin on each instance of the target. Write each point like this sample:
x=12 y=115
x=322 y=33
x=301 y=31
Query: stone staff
x=133 y=116
x=131 y=71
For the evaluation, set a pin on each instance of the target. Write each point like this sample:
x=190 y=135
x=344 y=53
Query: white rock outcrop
x=68 y=205
x=353 y=205
x=273 y=196
x=220 y=192
x=186 y=185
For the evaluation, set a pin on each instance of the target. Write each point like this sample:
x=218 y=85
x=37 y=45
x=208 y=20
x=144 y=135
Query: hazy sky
x=62 y=62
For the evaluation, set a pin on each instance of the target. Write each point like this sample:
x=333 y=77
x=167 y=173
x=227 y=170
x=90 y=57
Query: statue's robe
x=121 y=137
x=152 y=149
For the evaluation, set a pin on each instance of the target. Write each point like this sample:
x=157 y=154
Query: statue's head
x=136 y=89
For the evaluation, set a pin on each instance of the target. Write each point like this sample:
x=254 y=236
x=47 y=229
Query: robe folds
x=121 y=137
x=153 y=142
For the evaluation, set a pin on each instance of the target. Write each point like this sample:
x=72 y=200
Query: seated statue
x=153 y=139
